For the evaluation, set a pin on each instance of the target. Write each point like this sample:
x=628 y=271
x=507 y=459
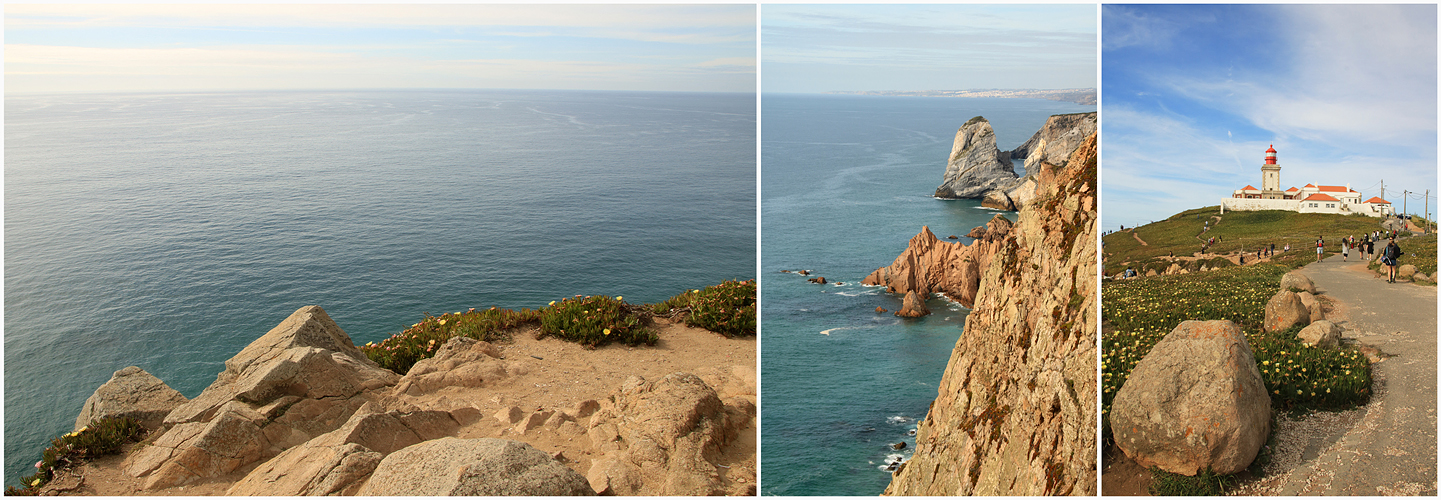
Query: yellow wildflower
x=617 y=297
x=442 y=322
x=552 y=302
x=607 y=331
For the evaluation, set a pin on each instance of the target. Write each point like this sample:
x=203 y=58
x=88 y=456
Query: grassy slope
x=1237 y=231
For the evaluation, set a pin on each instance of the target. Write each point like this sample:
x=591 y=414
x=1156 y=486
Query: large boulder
x=473 y=467
x=131 y=393
x=338 y=462
x=913 y=307
x=1295 y=279
x=1405 y=271
x=663 y=437
x=1195 y=402
x=302 y=379
x=1284 y=310
x=1321 y=333
x=976 y=167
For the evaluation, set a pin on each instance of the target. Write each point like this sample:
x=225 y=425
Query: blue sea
x=846 y=181
x=168 y=231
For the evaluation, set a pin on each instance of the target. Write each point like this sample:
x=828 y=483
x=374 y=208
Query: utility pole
x=1404 y=196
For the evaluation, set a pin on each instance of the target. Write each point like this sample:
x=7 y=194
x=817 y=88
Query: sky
x=115 y=48
x=821 y=48
x=1191 y=97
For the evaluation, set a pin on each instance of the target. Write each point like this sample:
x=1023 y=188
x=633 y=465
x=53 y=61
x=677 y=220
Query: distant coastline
x=1078 y=96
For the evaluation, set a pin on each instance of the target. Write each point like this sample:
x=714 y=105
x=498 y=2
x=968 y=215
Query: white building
x=1308 y=199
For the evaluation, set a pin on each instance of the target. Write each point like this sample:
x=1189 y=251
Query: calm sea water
x=169 y=231
x=846 y=181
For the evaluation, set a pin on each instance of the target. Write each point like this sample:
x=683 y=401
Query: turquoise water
x=846 y=182
x=168 y=231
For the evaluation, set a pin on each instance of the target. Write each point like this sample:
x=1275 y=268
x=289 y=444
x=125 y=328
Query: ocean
x=846 y=181
x=168 y=231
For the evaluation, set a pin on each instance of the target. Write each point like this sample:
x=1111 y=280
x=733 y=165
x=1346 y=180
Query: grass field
x=1182 y=235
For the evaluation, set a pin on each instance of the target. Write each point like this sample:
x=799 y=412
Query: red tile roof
x=1377 y=199
x=1249 y=188
x=1319 y=197
x=1310 y=185
x=1293 y=188
x=1336 y=189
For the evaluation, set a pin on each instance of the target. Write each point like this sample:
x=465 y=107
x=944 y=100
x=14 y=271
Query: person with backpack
x=1320 y=247
x=1388 y=257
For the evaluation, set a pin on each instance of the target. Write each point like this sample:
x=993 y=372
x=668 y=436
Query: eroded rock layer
x=1015 y=412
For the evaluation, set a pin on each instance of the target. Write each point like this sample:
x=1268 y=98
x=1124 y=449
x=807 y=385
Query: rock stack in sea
x=1015 y=412
x=302 y=411
x=978 y=169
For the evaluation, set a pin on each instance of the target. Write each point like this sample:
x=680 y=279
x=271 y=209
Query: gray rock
x=473 y=467
x=1321 y=333
x=131 y=393
x=1196 y=401
x=998 y=200
x=1405 y=271
x=1295 y=279
x=976 y=167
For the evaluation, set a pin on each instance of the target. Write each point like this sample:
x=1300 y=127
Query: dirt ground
x=547 y=374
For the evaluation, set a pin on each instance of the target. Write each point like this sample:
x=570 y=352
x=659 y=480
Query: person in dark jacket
x=1388 y=257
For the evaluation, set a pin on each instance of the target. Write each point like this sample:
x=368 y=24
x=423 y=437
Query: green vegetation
x=595 y=321
x=1419 y=251
x=1139 y=313
x=1203 y=484
x=102 y=437
x=728 y=309
x=1182 y=235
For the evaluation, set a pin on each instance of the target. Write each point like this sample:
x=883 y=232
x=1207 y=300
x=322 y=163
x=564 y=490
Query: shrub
x=595 y=321
x=99 y=438
x=1204 y=484
x=728 y=308
x=403 y=350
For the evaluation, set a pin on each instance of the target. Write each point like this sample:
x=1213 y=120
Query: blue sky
x=1191 y=96
x=820 y=48
x=106 y=47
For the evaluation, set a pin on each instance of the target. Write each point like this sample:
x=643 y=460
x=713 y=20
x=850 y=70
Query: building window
x=1313 y=205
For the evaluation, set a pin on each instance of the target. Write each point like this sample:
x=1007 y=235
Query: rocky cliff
x=976 y=167
x=301 y=411
x=1015 y=412
x=929 y=265
x=1052 y=144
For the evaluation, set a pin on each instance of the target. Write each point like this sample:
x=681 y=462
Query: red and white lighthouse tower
x=1271 y=177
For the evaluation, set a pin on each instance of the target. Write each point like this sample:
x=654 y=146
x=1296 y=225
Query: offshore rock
x=1057 y=139
x=131 y=393
x=302 y=379
x=1196 y=401
x=929 y=265
x=976 y=167
x=913 y=307
x=1015 y=412
x=473 y=467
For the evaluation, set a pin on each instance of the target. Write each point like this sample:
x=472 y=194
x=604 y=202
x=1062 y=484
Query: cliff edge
x=1015 y=412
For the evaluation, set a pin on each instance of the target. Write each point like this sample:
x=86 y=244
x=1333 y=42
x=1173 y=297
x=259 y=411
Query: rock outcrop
x=1295 y=279
x=929 y=265
x=662 y=437
x=302 y=379
x=473 y=467
x=1051 y=145
x=975 y=167
x=913 y=306
x=1195 y=402
x=1015 y=412
x=131 y=393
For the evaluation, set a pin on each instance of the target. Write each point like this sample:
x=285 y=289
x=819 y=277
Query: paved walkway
x=1392 y=448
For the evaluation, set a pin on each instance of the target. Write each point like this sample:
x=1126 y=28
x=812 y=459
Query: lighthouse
x=1271 y=177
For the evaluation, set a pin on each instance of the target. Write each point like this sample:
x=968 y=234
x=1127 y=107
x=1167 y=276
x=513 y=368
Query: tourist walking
x=1320 y=245
x=1388 y=257
x=1345 y=251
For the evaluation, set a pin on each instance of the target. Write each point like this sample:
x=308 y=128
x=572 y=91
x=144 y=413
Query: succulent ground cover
x=728 y=309
x=1138 y=313
x=99 y=438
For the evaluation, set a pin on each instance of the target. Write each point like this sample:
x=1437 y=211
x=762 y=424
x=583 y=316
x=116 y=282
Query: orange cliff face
x=929 y=265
